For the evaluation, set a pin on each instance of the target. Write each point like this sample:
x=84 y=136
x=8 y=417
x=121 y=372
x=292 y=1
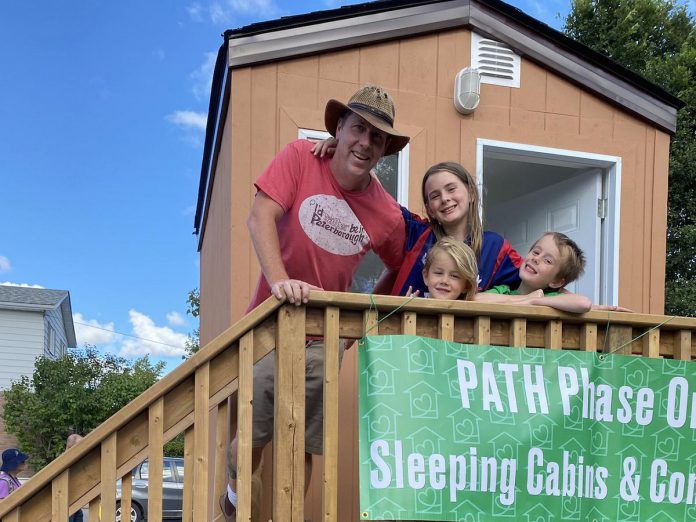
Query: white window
x=392 y=172
x=51 y=341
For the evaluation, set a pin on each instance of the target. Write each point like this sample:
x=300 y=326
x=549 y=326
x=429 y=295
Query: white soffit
x=403 y=23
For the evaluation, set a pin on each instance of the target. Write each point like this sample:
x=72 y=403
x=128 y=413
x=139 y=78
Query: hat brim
x=335 y=108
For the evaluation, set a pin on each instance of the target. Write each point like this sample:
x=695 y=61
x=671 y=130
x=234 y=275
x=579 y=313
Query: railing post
x=59 y=493
x=201 y=417
x=155 y=460
x=683 y=345
x=553 y=337
x=108 y=479
x=445 y=327
x=518 y=332
x=289 y=443
x=187 y=501
x=588 y=337
x=482 y=331
x=330 y=471
x=651 y=344
x=245 y=396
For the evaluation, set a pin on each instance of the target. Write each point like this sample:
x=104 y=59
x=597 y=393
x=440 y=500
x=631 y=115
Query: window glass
x=371 y=267
x=167 y=473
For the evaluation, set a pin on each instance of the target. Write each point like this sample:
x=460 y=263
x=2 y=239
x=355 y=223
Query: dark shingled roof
x=40 y=297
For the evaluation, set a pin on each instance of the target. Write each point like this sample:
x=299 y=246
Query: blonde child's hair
x=572 y=264
x=464 y=259
x=475 y=227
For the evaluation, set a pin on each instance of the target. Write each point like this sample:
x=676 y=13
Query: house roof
x=382 y=20
x=40 y=300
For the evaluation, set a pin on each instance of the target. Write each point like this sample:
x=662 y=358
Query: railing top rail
x=386 y=304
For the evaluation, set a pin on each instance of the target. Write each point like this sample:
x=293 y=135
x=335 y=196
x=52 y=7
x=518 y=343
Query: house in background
x=562 y=139
x=34 y=322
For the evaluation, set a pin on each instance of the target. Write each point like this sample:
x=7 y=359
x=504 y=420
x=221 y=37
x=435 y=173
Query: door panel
x=570 y=207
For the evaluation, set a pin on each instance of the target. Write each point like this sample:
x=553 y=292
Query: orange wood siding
x=269 y=103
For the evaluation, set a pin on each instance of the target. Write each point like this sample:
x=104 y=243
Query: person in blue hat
x=13 y=463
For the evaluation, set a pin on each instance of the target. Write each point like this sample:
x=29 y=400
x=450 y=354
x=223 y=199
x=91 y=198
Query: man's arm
x=264 y=235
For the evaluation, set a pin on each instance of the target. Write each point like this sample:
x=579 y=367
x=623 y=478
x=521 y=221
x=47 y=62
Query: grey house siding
x=22 y=340
x=55 y=319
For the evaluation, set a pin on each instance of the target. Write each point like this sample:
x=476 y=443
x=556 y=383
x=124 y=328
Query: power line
x=129 y=335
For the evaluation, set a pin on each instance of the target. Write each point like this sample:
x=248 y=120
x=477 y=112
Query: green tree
x=72 y=394
x=193 y=308
x=657 y=39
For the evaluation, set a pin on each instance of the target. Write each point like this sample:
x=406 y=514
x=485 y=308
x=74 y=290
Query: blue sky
x=103 y=113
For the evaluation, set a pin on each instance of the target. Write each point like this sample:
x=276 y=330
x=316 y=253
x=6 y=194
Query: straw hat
x=374 y=105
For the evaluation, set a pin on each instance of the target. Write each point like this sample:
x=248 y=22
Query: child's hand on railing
x=411 y=293
x=611 y=308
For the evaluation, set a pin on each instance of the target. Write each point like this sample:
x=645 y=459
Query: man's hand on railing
x=295 y=290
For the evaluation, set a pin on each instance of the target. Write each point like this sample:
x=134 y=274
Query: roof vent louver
x=495 y=61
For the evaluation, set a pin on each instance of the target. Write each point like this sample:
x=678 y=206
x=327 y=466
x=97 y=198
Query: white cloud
x=189 y=119
x=195 y=11
x=24 y=285
x=90 y=331
x=203 y=77
x=176 y=319
x=218 y=14
x=5 y=265
x=167 y=342
x=159 y=54
x=257 y=8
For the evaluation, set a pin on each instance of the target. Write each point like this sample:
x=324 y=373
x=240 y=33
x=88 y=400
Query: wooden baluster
x=588 y=337
x=155 y=460
x=187 y=501
x=518 y=332
x=445 y=327
x=222 y=431
x=370 y=320
x=683 y=345
x=330 y=471
x=108 y=479
x=553 y=337
x=126 y=495
x=289 y=443
x=201 y=441
x=408 y=323
x=59 y=494
x=244 y=431
x=94 y=509
x=651 y=344
x=482 y=331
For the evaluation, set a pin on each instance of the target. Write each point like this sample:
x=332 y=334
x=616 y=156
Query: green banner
x=451 y=431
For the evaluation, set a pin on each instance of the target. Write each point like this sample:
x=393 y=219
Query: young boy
x=450 y=271
x=553 y=261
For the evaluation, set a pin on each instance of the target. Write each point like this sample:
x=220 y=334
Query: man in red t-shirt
x=312 y=221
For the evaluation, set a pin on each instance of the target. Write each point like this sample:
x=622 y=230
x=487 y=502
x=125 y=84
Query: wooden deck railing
x=193 y=399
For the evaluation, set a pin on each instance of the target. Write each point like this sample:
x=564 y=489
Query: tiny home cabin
x=558 y=137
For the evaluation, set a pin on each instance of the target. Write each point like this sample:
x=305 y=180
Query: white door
x=570 y=207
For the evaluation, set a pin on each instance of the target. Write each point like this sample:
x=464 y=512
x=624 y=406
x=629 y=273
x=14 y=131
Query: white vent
x=496 y=62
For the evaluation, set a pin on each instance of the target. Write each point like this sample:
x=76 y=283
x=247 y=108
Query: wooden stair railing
x=186 y=400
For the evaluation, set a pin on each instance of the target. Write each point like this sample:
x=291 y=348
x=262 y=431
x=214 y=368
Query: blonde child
x=553 y=261
x=450 y=271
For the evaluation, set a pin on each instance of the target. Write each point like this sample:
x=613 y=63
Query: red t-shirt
x=326 y=230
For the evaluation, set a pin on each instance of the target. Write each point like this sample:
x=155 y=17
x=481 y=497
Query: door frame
x=611 y=191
